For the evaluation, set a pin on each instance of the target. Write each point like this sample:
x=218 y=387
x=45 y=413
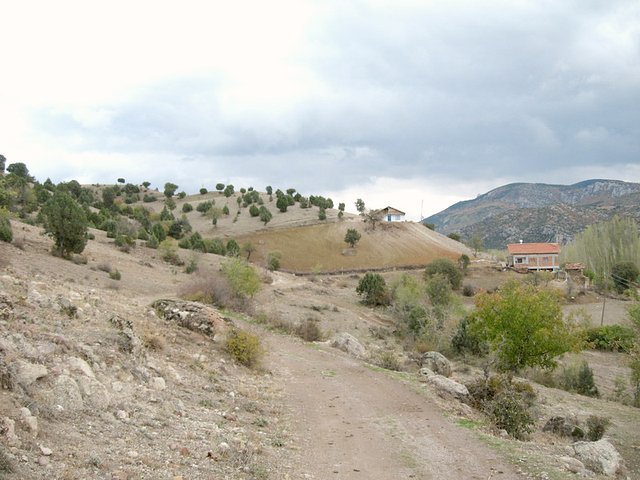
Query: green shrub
x=466 y=341
x=373 y=290
x=203 y=191
x=192 y=266
x=507 y=403
x=115 y=275
x=273 y=260
x=387 y=359
x=445 y=267
x=242 y=277
x=233 y=249
x=244 y=347
x=438 y=290
x=579 y=379
x=614 y=338
x=149 y=198
x=66 y=222
x=254 y=211
x=187 y=207
x=6 y=232
x=215 y=246
x=169 y=252
x=153 y=242
x=624 y=275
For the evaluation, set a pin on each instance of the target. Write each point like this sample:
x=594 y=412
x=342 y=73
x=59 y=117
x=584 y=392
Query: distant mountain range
x=538 y=212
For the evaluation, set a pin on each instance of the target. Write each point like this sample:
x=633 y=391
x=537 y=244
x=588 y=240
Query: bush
x=242 y=277
x=579 y=379
x=244 y=347
x=507 y=403
x=445 y=267
x=153 y=242
x=273 y=260
x=6 y=232
x=439 y=290
x=466 y=341
x=596 y=426
x=187 y=207
x=115 y=275
x=233 y=249
x=387 y=359
x=624 y=274
x=373 y=289
x=169 y=252
x=468 y=291
x=203 y=191
x=614 y=338
x=309 y=330
x=215 y=246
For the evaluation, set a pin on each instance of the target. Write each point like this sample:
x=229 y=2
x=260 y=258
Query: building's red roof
x=532 y=248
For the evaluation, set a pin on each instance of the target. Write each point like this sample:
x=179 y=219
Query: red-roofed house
x=533 y=256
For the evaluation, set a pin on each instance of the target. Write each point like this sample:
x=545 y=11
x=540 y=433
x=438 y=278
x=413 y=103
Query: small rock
x=47 y=452
x=8 y=430
x=445 y=386
x=571 y=464
x=43 y=461
x=133 y=454
x=26 y=373
x=224 y=447
x=158 y=383
x=29 y=421
x=122 y=415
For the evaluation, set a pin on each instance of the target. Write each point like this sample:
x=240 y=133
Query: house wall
x=546 y=261
x=393 y=218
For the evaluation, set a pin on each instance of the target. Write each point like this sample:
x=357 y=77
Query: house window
x=519 y=259
x=546 y=259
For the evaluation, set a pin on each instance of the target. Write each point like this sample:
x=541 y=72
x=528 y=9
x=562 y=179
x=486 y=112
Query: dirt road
x=352 y=422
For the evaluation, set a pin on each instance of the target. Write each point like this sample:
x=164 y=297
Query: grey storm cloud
x=473 y=89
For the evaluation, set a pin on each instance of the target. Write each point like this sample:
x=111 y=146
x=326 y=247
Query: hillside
x=536 y=212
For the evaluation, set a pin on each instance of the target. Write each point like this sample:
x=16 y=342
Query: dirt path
x=352 y=422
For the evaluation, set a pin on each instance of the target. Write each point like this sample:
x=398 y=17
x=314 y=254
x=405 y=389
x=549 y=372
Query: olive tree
x=352 y=237
x=66 y=222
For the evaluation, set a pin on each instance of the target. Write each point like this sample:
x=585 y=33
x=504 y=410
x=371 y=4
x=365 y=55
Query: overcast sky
x=417 y=104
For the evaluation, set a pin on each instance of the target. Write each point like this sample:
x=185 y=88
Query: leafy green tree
x=447 y=268
x=146 y=184
x=66 y=222
x=360 y=206
x=228 y=190
x=373 y=289
x=181 y=195
x=3 y=161
x=121 y=180
x=187 y=207
x=158 y=231
x=322 y=214
x=170 y=203
x=273 y=260
x=624 y=275
x=170 y=189
x=269 y=190
x=352 y=237
x=265 y=214
x=254 y=211
x=282 y=203
x=219 y=187
x=225 y=210
x=248 y=248
x=203 y=191
x=165 y=214
x=341 y=207
x=454 y=236
x=20 y=170
x=523 y=325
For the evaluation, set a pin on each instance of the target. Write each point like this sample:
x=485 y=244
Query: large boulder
x=26 y=373
x=445 y=387
x=192 y=315
x=349 y=344
x=437 y=363
x=600 y=457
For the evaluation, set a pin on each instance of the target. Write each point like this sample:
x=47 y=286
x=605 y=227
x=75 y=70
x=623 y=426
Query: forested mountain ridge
x=536 y=212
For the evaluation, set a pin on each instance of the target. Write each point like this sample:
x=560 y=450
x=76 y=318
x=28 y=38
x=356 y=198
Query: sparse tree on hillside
x=360 y=206
x=352 y=237
x=3 y=162
x=203 y=191
x=20 y=170
x=282 y=203
x=454 y=236
x=463 y=262
x=228 y=190
x=265 y=215
x=170 y=189
x=66 y=222
x=146 y=184
x=445 y=267
x=225 y=210
x=372 y=217
x=269 y=190
x=248 y=248
x=476 y=243
x=121 y=180
x=233 y=249
x=322 y=214
x=219 y=187
x=341 y=207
